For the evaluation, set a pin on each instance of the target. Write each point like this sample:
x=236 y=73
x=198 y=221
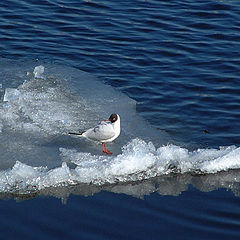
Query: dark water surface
x=180 y=62
x=193 y=215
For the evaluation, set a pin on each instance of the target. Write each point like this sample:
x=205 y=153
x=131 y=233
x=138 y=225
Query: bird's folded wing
x=101 y=132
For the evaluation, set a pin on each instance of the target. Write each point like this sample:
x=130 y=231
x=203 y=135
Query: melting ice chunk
x=38 y=72
x=11 y=94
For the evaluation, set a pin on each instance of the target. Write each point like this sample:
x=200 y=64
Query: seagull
x=104 y=132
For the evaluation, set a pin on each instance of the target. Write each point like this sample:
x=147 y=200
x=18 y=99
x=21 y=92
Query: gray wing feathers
x=101 y=132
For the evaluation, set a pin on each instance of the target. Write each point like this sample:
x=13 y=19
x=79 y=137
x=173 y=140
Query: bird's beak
x=107 y=120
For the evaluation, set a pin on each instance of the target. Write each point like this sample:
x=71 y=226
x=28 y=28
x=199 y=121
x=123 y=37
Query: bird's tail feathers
x=76 y=133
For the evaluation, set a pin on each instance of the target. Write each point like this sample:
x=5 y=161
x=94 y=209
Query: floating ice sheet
x=138 y=161
x=37 y=112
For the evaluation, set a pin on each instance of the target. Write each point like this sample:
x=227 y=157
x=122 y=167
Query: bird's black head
x=113 y=118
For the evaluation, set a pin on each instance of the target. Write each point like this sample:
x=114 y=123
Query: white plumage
x=104 y=132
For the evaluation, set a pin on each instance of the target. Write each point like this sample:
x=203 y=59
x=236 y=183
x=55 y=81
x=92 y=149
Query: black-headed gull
x=104 y=132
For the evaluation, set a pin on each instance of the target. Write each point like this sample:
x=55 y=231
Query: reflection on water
x=172 y=185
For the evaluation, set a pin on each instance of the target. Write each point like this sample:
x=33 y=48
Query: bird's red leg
x=105 y=150
x=104 y=147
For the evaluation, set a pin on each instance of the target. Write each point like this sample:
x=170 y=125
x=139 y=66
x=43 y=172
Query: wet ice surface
x=41 y=104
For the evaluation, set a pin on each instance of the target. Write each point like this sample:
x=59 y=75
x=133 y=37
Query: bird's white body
x=106 y=131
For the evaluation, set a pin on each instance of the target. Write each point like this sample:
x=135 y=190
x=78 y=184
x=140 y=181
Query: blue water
x=180 y=62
